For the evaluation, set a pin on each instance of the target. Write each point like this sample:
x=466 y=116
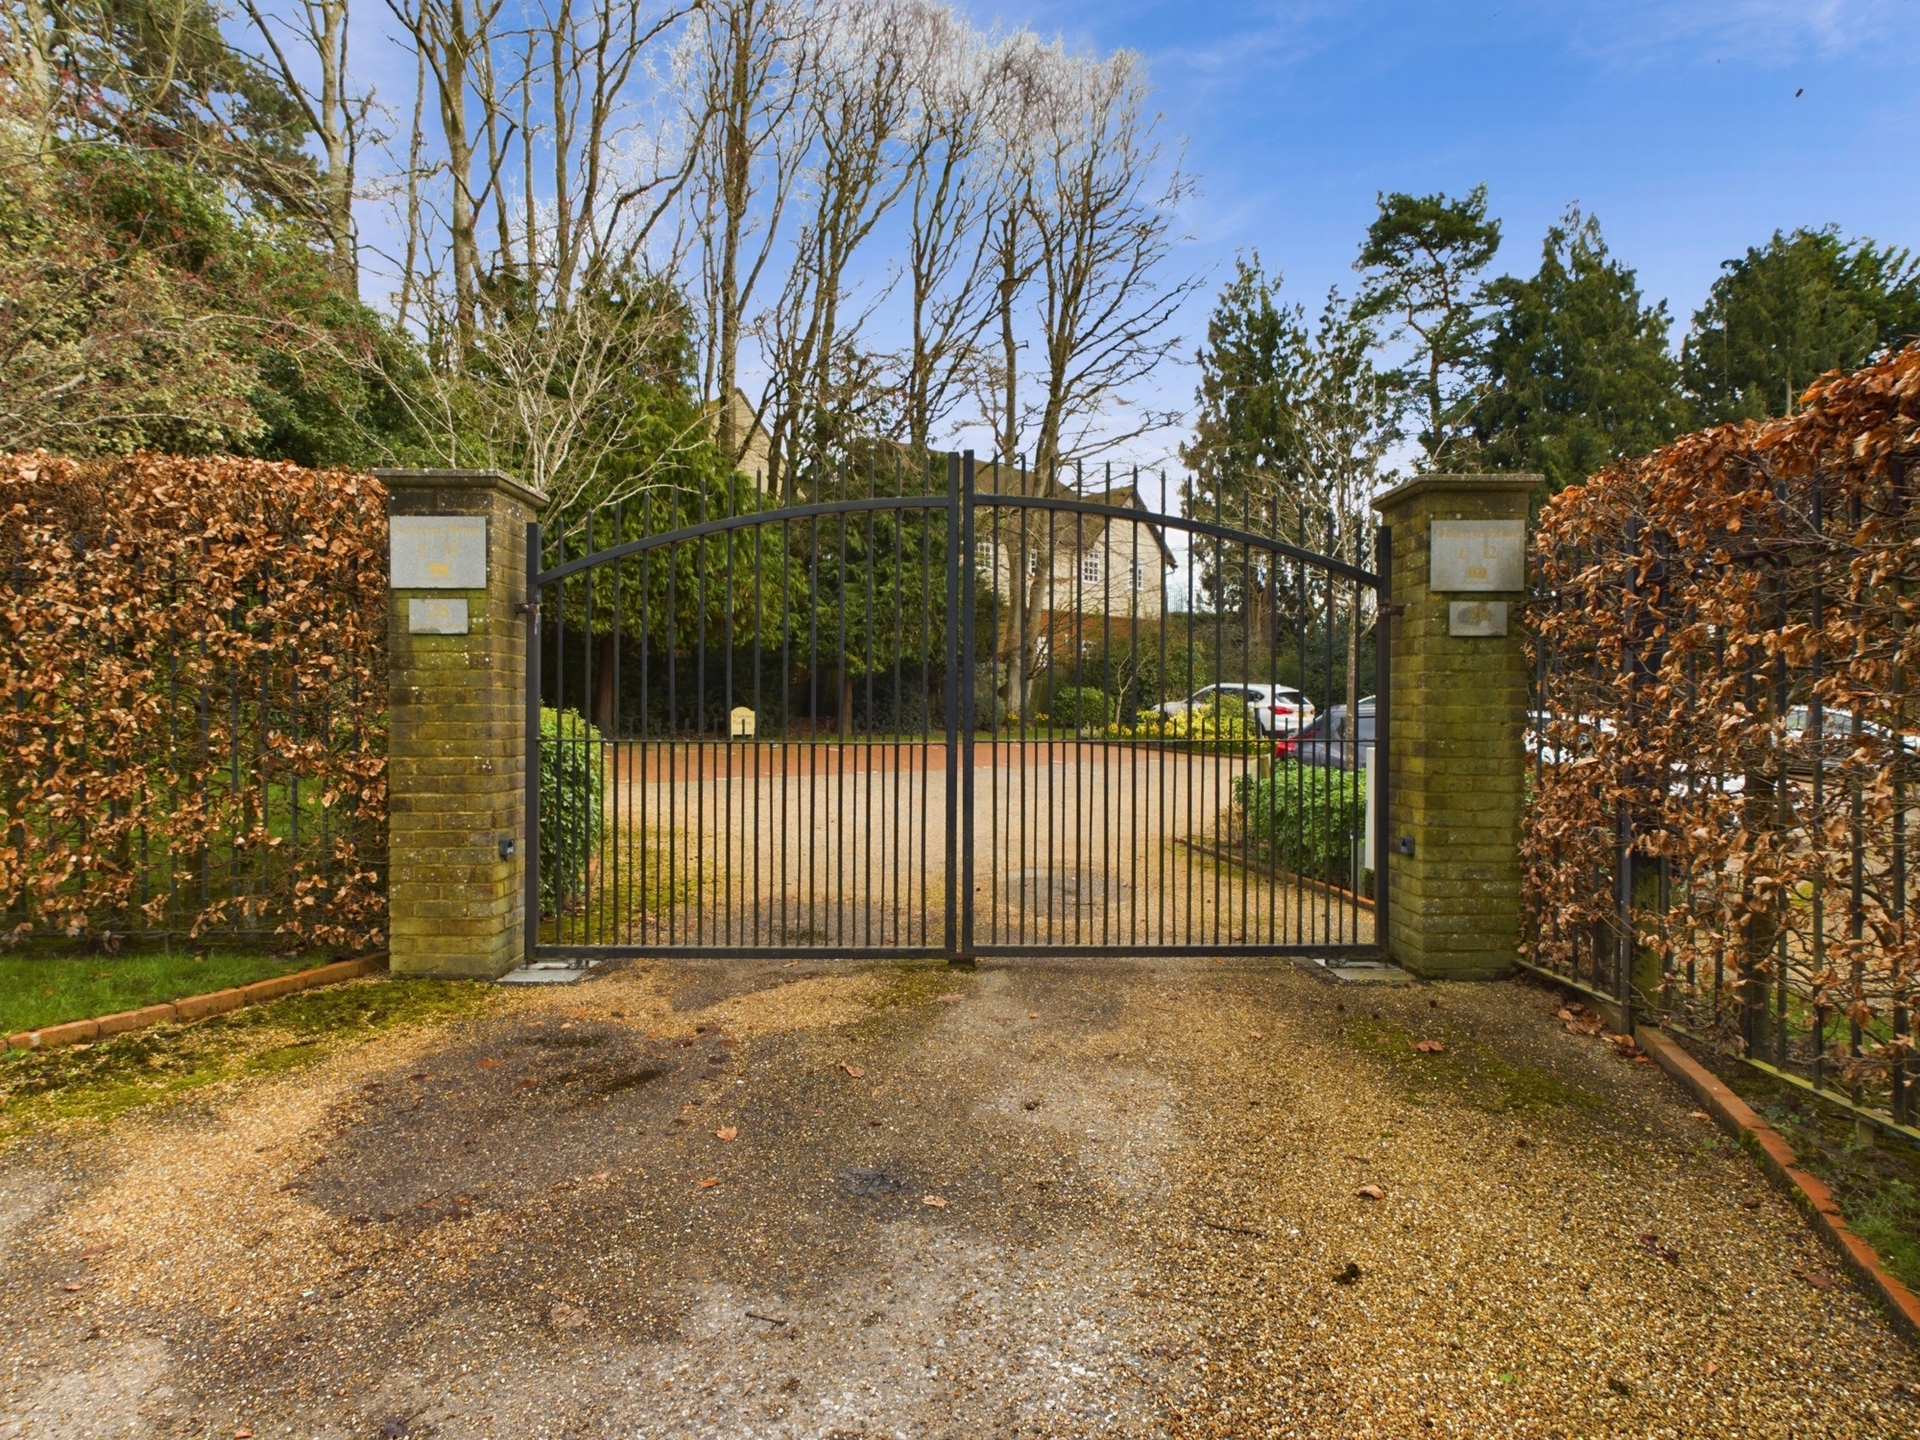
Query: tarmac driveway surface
x=1127 y=1198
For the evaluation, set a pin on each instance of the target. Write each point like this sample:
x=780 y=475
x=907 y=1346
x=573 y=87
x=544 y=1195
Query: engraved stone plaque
x=741 y=722
x=1476 y=617
x=437 y=617
x=439 y=552
x=1478 y=555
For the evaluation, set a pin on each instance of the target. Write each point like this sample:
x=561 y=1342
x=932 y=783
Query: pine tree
x=1786 y=312
x=1421 y=264
x=1578 y=369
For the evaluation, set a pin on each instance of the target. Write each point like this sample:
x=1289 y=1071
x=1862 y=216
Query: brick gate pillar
x=1458 y=717
x=457 y=755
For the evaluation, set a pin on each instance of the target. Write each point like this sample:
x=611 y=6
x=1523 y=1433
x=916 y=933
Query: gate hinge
x=527 y=607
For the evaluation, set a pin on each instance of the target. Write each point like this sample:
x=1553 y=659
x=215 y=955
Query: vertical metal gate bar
x=959 y=651
x=1382 y=730
x=530 y=837
x=964 y=565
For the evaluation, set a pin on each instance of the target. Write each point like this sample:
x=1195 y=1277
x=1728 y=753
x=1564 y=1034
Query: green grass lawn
x=39 y=989
x=157 y=1066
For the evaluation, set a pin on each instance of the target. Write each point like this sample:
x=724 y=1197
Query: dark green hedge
x=1306 y=819
x=572 y=794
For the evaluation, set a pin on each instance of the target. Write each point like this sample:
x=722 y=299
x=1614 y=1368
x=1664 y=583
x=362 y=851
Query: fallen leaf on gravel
x=1751 y=1203
x=1033 y=1014
x=1698 y=1115
x=566 y=1317
x=1347 y=1276
x=1650 y=1243
x=1564 y=1013
x=934 y=1200
x=1430 y=1047
x=1713 y=1368
x=709 y=1182
x=243 y=1433
x=1521 y=1142
x=71 y=1285
x=727 y=1134
x=1256 y=1035
x=1371 y=1192
x=600 y=1175
x=94 y=1252
x=854 y=1070
x=1819 y=1279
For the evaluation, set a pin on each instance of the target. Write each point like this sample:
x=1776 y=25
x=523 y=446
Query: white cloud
x=1767 y=32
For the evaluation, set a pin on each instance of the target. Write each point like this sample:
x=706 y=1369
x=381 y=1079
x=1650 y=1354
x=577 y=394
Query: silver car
x=1276 y=709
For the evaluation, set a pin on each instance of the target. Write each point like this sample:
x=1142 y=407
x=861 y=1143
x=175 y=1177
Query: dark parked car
x=1324 y=743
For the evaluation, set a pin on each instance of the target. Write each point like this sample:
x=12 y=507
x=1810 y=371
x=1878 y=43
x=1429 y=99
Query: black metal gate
x=973 y=714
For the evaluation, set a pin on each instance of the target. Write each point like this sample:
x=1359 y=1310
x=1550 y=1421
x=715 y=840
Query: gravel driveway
x=844 y=847
x=1045 y=1199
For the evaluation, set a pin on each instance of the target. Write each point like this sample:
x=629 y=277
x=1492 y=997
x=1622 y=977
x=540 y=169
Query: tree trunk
x=605 y=647
x=336 y=186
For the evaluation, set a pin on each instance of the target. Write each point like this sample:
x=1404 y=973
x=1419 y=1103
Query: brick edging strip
x=195 y=1007
x=1777 y=1158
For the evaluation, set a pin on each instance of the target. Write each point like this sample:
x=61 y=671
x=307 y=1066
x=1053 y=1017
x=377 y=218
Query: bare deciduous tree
x=947 y=264
x=455 y=38
x=858 y=110
x=742 y=70
x=1081 y=232
x=1102 y=214
x=332 y=112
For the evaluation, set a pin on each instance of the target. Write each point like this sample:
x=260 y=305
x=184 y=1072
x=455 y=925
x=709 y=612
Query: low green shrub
x=1305 y=818
x=1222 y=726
x=1080 y=707
x=573 y=785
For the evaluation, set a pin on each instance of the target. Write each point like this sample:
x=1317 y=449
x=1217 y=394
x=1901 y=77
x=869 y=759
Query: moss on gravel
x=82 y=1083
x=1466 y=1071
x=907 y=986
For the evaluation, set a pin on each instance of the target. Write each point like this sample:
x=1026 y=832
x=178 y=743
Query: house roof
x=1010 y=480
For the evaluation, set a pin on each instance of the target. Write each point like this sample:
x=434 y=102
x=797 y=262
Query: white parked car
x=1276 y=709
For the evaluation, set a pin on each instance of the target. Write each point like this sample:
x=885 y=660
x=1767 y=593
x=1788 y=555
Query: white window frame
x=1090 y=567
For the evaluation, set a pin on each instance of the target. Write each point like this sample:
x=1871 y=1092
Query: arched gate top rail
x=979 y=500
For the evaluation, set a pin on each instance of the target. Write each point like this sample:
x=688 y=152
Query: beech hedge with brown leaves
x=1725 y=657
x=195 y=706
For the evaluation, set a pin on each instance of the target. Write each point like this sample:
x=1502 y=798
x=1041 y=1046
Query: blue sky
x=1675 y=121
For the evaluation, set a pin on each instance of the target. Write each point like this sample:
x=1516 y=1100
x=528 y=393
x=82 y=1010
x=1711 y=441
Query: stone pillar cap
x=462 y=480
x=1454 y=485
